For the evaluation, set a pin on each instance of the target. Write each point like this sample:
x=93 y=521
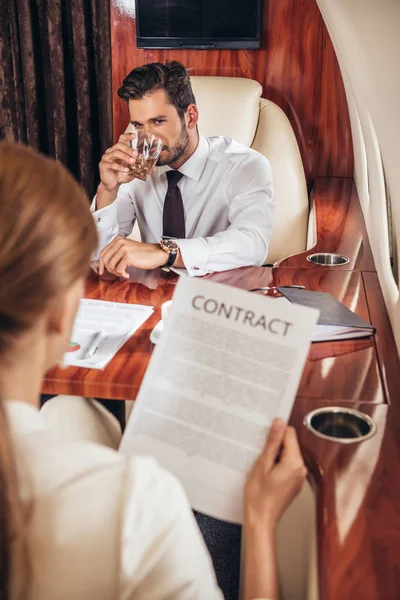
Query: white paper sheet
x=227 y=363
x=116 y=320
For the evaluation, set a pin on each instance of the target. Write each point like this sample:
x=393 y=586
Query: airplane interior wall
x=366 y=37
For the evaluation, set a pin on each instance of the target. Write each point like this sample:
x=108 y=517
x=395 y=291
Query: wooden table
x=348 y=370
x=357 y=486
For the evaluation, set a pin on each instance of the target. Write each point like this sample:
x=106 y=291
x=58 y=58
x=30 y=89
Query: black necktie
x=173 y=214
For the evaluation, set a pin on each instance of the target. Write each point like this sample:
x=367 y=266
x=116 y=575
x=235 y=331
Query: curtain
x=55 y=80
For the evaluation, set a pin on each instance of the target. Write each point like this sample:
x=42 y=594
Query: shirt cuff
x=106 y=224
x=194 y=254
x=105 y=217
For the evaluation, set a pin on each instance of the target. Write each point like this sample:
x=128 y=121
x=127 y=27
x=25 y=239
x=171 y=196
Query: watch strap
x=171 y=258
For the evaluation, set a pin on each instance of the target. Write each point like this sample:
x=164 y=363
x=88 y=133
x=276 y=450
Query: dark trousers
x=223 y=541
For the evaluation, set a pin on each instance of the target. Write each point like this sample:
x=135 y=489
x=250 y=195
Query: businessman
x=209 y=203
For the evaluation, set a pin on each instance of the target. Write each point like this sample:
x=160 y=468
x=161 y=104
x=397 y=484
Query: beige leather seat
x=233 y=107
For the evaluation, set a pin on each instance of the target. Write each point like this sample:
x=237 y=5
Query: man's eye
x=158 y=121
x=137 y=125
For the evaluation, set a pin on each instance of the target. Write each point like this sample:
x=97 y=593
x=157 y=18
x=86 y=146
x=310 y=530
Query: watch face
x=170 y=245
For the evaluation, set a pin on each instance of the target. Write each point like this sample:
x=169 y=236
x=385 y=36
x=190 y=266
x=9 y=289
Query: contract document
x=228 y=362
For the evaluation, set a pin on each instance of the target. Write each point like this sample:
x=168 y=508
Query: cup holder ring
x=340 y=425
x=328 y=259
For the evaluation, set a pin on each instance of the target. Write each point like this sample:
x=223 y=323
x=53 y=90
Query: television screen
x=198 y=23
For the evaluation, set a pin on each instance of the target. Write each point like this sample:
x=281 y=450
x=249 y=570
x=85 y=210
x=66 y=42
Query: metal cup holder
x=342 y=425
x=327 y=259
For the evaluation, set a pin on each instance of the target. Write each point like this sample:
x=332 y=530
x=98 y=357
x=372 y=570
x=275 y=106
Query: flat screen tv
x=200 y=24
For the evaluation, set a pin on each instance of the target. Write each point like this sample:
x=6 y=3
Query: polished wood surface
x=340 y=227
x=296 y=66
x=358 y=500
x=121 y=379
x=327 y=371
x=384 y=339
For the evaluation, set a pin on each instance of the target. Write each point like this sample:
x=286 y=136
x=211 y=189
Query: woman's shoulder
x=57 y=466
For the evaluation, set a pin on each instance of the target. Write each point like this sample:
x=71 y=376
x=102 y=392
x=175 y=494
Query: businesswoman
x=78 y=520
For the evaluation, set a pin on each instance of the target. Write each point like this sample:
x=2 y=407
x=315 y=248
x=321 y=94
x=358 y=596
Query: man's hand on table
x=122 y=253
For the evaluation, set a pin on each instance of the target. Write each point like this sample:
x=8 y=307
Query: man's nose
x=153 y=130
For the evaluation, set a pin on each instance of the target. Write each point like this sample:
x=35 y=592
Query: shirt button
x=195 y=269
x=98 y=219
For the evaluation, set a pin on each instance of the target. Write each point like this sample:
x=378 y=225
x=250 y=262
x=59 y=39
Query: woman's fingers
x=291 y=465
x=291 y=452
x=273 y=444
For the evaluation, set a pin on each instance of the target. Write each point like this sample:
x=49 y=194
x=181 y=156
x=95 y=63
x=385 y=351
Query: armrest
x=340 y=227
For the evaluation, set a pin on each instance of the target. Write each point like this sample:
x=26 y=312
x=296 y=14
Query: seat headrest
x=228 y=106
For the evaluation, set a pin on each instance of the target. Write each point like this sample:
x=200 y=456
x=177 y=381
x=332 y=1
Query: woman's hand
x=274 y=481
x=276 y=477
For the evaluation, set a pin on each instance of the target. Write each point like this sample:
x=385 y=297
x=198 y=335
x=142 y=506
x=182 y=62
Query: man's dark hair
x=171 y=77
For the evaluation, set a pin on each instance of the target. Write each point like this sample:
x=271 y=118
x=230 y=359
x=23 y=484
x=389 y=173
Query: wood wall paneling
x=296 y=66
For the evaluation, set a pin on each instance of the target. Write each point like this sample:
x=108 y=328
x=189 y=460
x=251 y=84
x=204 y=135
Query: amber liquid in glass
x=141 y=168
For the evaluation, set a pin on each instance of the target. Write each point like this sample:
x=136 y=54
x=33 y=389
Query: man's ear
x=192 y=116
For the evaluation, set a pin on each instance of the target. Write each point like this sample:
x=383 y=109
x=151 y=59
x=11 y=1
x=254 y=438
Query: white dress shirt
x=99 y=526
x=228 y=203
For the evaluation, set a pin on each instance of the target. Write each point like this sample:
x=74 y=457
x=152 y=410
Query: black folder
x=336 y=321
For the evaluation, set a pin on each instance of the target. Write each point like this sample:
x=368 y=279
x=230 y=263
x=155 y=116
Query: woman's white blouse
x=101 y=527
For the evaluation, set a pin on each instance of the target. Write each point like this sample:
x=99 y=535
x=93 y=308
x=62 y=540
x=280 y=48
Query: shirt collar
x=194 y=166
x=23 y=417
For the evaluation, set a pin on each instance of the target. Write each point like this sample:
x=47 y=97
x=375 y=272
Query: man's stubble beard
x=177 y=151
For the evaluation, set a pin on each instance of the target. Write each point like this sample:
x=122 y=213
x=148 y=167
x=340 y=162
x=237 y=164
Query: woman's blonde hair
x=47 y=236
